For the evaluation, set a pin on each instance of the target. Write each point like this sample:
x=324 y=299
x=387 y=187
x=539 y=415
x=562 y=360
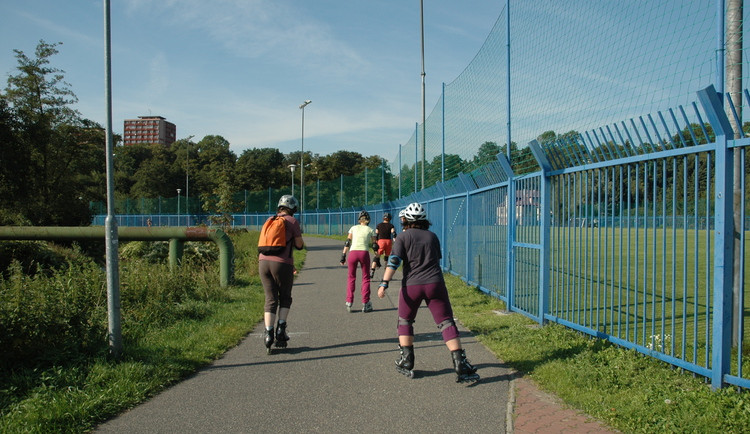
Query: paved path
x=338 y=376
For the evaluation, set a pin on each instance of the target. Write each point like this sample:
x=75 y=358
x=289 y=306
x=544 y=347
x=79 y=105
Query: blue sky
x=241 y=68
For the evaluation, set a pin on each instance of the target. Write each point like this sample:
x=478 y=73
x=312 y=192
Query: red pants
x=354 y=259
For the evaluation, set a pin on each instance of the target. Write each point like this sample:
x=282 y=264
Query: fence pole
x=723 y=238
x=544 y=238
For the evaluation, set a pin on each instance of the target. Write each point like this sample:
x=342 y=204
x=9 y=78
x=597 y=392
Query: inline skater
x=418 y=250
x=359 y=239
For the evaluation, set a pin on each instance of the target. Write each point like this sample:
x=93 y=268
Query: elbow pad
x=394 y=262
x=348 y=243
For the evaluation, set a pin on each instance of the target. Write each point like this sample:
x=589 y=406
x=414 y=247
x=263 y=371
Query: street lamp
x=179 y=190
x=292 y=166
x=302 y=162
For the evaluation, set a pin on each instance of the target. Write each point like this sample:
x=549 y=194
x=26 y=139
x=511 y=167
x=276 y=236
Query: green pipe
x=175 y=235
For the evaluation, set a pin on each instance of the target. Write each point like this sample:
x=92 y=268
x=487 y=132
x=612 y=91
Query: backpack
x=272 y=240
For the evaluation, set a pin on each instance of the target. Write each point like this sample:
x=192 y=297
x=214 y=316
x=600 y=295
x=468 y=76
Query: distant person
x=418 y=249
x=360 y=238
x=277 y=274
x=384 y=232
x=402 y=220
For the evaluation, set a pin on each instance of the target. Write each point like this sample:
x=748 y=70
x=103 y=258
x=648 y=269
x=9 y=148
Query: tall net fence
x=573 y=66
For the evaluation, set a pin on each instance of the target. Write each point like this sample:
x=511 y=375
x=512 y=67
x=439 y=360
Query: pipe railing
x=175 y=235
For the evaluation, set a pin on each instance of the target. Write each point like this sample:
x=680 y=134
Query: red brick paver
x=538 y=412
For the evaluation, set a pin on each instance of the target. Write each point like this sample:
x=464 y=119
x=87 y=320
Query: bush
x=48 y=319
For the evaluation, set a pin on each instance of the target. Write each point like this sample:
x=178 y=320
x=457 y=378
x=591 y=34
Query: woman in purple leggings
x=418 y=249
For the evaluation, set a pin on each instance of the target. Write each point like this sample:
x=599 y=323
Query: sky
x=241 y=68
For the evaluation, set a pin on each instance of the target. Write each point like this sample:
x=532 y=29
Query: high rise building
x=149 y=129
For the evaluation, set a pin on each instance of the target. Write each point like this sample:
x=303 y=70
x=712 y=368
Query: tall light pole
x=179 y=190
x=187 y=175
x=292 y=166
x=114 y=327
x=421 y=21
x=302 y=165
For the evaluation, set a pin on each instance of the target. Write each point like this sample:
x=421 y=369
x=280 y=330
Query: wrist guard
x=375 y=247
x=383 y=284
x=343 y=258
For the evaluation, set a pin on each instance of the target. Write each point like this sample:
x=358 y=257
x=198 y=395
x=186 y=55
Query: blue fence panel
x=634 y=227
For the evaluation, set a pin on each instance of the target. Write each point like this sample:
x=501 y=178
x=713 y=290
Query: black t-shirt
x=384 y=231
x=419 y=250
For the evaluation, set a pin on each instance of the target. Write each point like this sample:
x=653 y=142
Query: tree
x=220 y=203
x=213 y=157
x=260 y=168
x=56 y=149
x=487 y=153
x=339 y=163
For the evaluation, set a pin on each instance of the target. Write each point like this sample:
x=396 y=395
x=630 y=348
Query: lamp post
x=292 y=166
x=187 y=177
x=179 y=190
x=302 y=165
x=421 y=23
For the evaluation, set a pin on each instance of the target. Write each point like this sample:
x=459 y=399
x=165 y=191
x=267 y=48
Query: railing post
x=544 y=228
x=510 y=233
x=723 y=238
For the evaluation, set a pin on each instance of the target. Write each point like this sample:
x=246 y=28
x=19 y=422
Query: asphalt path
x=337 y=375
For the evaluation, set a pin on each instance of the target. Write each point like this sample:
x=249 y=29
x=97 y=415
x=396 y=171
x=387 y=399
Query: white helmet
x=415 y=212
x=288 y=201
x=401 y=214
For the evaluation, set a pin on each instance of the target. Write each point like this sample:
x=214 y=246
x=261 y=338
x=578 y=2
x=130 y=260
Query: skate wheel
x=406 y=372
x=473 y=378
x=269 y=351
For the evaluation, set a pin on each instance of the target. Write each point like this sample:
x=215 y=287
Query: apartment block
x=149 y=129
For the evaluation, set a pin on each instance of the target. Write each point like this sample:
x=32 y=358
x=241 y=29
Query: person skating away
x=384 y=232
x=401 y=220
x=418 y=250
x=359 y=239
x=276 y=273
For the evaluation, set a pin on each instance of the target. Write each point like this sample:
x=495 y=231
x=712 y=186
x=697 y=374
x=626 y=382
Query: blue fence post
x=544 y=236
x=509 y=281
x=723 y=238
x=467 y=234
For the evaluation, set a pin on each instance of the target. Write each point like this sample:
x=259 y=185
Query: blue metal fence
x=626 y=234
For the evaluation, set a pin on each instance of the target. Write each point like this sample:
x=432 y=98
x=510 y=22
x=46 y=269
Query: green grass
x=624 y=389
x=202 y=322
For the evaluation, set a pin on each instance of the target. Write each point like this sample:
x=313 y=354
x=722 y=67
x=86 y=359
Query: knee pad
x=449 y=329
x=405 y=327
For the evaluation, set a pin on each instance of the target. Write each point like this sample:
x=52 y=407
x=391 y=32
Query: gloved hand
x=343 y=259
x=375 y=247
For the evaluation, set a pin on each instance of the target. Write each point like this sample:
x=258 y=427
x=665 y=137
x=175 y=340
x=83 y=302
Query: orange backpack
x=272 y=240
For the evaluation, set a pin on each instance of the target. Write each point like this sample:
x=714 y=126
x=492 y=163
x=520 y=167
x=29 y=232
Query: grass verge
x=626 y=390
x=79 y=394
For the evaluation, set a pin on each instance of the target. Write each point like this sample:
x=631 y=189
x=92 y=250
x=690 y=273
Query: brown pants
x=277 y=279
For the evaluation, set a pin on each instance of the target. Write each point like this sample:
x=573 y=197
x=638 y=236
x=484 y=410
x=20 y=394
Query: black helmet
x=387 y=216
x=364 y=215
